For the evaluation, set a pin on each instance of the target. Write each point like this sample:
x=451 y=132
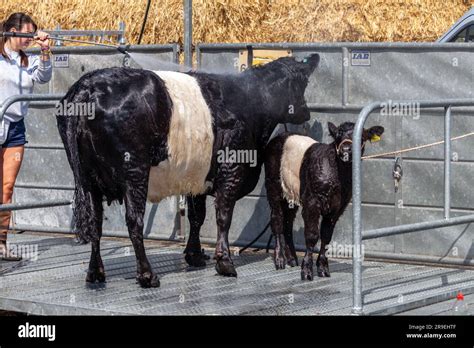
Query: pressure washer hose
x=120 y=48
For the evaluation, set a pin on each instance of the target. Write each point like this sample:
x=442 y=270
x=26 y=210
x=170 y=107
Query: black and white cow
x=156 y=134
x=301 y=171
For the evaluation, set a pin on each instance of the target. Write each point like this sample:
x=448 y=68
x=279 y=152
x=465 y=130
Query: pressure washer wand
x=120 y=48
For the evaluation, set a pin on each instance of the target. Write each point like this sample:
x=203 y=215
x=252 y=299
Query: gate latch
x=397 y=173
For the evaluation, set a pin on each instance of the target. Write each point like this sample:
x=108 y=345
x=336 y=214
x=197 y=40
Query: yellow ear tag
x=374 y=138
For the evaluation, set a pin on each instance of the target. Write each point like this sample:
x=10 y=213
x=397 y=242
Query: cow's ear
x=332 y=130
x=311 y=63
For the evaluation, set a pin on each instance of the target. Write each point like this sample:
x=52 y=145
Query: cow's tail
x=84 y=214
x=80 y=219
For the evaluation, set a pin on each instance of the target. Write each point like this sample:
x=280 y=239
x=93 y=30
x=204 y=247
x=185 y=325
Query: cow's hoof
x=196 y=259
x=95 y=275
x=323 y=273
x=148 y=280
x=306 y=275
x=280 y=263
x=307 y=271
x=226 y=268
x=292 y=262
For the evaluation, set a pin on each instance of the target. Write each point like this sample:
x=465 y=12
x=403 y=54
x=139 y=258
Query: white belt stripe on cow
x=293 y=152
x=190 y=141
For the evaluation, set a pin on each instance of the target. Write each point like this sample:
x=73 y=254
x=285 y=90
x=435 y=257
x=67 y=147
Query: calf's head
x=343 y=138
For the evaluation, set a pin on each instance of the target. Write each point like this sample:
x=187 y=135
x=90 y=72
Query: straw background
x=253 y=20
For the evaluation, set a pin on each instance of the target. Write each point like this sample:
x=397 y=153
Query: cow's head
x=286 y=81
x=343 y=138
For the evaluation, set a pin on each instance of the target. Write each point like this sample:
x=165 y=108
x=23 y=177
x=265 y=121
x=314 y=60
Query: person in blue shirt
x=18 y=74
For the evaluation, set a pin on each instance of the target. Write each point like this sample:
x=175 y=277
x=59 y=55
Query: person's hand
x=42 y=39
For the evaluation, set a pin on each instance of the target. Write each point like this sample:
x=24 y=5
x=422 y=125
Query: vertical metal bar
x=447 y=162
x=176 y=49
x=356 y=212
x=345 y=75
x=198 y=57
x=188 y=33
x=357 y=307
x=249 y=56
x=58 y=42
x=398 y=241
x=121 y=38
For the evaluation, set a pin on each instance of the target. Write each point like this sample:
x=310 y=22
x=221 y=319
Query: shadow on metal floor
x=52 y=282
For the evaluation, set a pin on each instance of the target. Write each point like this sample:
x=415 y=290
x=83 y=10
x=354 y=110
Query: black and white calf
x=156 y=134
x=301 y=172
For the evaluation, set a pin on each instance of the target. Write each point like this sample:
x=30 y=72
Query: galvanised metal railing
x=120 y=34
x=47 y=99
x=357 y=234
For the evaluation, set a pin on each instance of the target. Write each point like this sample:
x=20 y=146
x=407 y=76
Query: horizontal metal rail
x=357 y=307
x=27 y=97
x=174 y=236
x=33 y=205
x=311 y=106
x=3 y=109
x=43 y=104
x=44 y=187
x=84 y=32
x=120 y=33
x=45 y=147
x=173 y=48
x=358 y=108
x=420 y=226
x=335 y=45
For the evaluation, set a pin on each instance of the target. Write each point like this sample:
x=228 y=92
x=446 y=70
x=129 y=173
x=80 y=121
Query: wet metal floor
x=52 y=282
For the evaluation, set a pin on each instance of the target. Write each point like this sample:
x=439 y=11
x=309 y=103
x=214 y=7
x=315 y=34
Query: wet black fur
x=111 y=155
x=325 y=191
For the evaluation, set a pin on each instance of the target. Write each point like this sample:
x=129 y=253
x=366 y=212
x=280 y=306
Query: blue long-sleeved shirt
x=15 y=79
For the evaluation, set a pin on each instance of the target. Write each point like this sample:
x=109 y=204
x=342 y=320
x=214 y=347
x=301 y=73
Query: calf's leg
x=289 y=217
x=327 y=229
x=277 y=225
x=311 y=232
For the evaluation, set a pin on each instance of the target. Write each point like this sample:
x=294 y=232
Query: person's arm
x=43 y=71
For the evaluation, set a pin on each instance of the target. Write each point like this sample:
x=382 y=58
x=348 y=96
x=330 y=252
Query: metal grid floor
x=54 y=283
